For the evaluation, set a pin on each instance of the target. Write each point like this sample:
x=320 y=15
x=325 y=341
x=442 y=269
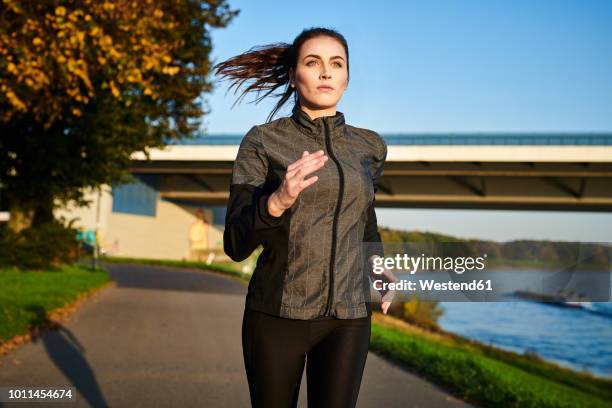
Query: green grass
x=473 y=374
x=27 y=297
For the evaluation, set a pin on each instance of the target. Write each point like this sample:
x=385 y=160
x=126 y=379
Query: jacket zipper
x=335 y=221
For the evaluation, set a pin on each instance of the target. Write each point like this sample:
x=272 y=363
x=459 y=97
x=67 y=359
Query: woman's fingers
x=308 y=168
x=294 y=181
x=298 y=174
x=316 y=162
x=306 y=157
x=307 y=182
x=387 y=300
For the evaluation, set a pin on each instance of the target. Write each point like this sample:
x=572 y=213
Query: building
x=136 y=221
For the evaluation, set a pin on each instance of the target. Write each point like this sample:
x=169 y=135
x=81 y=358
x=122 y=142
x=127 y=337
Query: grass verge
x=485 y=375
x=30 y=301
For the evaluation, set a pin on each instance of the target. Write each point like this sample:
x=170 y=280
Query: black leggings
x=275 y=350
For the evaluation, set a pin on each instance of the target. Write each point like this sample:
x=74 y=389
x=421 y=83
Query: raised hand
x=294 y=182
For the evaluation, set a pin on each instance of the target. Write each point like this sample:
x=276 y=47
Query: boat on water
x=565 y=298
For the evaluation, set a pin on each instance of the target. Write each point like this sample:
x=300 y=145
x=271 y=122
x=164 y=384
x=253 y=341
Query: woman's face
x=321 y=76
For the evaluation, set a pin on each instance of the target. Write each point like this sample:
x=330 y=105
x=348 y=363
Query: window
x=138 y=197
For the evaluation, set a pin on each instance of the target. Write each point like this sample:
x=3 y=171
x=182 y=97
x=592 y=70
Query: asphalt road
x=169 y=337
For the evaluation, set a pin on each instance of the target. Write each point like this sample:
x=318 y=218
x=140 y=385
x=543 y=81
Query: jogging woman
x=308 y=301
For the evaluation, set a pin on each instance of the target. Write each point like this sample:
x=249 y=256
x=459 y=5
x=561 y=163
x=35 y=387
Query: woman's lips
x=325 y=88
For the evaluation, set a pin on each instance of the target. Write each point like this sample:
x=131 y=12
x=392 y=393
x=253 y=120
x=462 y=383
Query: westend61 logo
x=427 y=263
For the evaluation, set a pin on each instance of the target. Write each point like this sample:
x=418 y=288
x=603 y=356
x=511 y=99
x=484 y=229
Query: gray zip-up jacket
x=314 y=261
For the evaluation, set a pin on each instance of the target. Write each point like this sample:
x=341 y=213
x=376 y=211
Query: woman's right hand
x=293 y=183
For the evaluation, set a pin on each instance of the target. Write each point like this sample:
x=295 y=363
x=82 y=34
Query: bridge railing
x=507 y=139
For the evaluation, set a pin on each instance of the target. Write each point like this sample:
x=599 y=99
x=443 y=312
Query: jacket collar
x=314 y=127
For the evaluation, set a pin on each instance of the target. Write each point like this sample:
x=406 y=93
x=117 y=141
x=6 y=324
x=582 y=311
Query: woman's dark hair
x=269 y=66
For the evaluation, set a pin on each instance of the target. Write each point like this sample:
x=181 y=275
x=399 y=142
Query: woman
x=309 y=294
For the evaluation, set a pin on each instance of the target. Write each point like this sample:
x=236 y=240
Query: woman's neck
x=317 y=113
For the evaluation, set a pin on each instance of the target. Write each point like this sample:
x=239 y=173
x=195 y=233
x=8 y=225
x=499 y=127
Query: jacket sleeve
x=371 y=235
x=247 y=219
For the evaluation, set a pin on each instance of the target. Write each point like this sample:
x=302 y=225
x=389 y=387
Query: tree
x=84 y=84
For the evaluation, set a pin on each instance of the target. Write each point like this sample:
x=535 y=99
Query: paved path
x=168 y=337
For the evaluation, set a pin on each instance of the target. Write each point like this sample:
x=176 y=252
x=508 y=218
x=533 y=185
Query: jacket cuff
x=374 y=248
x=263 y=218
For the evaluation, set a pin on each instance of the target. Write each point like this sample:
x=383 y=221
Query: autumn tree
x=83 y=84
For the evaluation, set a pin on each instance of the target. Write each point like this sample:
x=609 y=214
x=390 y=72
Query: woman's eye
x=309 y=63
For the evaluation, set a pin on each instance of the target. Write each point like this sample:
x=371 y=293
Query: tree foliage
x=84 y=84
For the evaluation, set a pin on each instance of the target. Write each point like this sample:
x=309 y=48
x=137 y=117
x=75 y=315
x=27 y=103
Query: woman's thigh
x=336 y=362
x=274 y=351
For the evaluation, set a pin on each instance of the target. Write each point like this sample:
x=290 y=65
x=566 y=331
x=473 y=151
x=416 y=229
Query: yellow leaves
x=79 y=68
x=170 y=70
x=134 y=76
x=73 y=92
x=15 y=101
x=125 y=43
x=114 y=89
x=114 y=54
x=12 y=68
x=148 y=64
x=106 y=41
x=72 y=65
x=73 y=17
x=14 y=6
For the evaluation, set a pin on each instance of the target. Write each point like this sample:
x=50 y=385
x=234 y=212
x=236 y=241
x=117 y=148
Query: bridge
x=526 y=171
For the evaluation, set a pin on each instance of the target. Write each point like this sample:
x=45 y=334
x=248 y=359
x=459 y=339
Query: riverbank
x=485 y=375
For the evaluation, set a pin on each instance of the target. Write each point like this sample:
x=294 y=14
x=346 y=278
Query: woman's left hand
x=387 y=298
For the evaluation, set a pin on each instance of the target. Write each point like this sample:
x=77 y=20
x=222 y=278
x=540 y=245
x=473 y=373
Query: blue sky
x=450 y=66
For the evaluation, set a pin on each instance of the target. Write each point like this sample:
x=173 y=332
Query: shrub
x=39 y=247
x=418 y=312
